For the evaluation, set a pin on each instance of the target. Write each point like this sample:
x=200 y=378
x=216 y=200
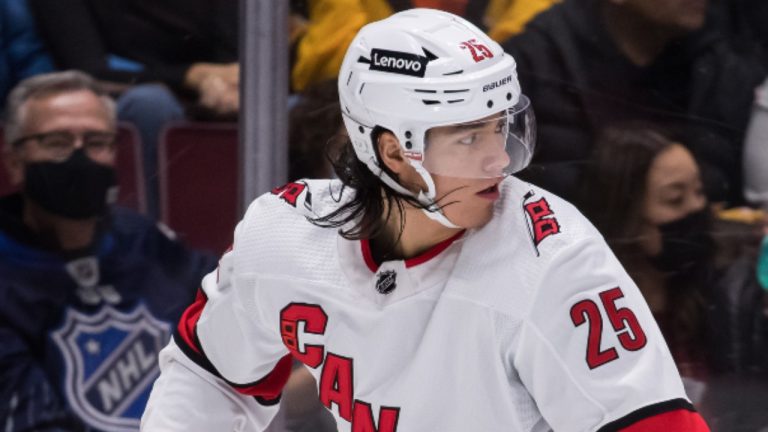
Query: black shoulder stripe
x=203 y=362
x=268 y=402
x=191 y=354
x=645 y=412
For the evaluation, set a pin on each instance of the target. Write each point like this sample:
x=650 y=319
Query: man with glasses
x=88 y=290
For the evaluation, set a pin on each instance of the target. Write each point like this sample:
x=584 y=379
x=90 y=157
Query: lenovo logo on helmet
x=502 y=82
x=398 y=62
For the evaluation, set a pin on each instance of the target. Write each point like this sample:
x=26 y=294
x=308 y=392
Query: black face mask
x=77 y=188
x=686 y=243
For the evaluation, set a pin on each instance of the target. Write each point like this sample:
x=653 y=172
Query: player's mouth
x=490 y=193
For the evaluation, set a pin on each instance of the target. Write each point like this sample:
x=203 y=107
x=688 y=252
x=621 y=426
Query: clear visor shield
x=491 y=147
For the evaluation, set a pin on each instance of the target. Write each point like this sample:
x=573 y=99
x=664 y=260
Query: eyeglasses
x=61 y=144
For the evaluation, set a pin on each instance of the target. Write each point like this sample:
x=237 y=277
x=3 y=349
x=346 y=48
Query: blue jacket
x=79 y=334
x=22 y=53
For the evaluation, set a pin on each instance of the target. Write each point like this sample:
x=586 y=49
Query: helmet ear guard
x=368 y=154
x=420 y=69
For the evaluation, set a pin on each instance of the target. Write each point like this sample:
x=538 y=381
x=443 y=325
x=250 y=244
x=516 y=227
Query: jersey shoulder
x=277 y=235
x=550 y=222
x=533 y=232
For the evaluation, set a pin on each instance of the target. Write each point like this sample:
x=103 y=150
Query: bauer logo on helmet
x=496 y=84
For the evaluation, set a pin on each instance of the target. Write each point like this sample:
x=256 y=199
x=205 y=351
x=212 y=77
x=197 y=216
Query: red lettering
x=544 y=223
x=478 y=51
x=624 y=322
x=587 y=311
x=336 y=379
x=290 y=192
x=538 y=210
x=314 y=319
x=484 y=50
x=362 y=420
x=545 y=228
x=336 y=384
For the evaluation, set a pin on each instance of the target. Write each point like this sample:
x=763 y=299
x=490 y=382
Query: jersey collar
x=422 y=258
x=391 y=281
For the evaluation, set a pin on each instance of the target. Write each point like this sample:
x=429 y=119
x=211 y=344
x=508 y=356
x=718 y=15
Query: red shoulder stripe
x=673 y=415
x=267 y=390
x=679 y=420
x=188 y=321
x=271 y=386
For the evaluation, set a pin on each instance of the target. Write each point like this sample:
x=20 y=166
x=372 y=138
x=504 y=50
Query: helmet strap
x=431 y=209
x=438 y=215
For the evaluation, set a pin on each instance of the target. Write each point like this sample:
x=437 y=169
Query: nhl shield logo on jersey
x=386 y=282
x=540 y=218
x=109 y=364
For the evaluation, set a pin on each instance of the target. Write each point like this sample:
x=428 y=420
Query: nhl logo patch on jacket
x=110 y=363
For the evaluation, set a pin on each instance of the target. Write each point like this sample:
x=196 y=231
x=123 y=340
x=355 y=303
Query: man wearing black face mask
x=88 y=290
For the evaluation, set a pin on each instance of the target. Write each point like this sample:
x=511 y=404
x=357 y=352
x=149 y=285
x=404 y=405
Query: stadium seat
x=130 y=173
x=198 y=170
x=130 y=170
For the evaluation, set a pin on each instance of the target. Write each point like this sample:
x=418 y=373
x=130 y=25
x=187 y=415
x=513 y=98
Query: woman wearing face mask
x=643 y=191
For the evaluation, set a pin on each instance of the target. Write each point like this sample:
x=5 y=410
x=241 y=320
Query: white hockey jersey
x=526 y=324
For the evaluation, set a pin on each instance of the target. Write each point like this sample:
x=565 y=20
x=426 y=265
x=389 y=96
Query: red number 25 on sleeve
x=623 y=320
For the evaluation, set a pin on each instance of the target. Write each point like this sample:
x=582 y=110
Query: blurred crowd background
x=652 y=118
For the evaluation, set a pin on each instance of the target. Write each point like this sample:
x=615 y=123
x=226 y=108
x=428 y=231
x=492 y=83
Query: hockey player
x=427 y=290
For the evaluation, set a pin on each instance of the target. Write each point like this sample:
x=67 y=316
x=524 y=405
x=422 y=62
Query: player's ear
x=390 y=153
x=393 y=157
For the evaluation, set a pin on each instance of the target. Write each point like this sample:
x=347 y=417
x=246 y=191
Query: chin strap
x=437 y=214
x=432 y=210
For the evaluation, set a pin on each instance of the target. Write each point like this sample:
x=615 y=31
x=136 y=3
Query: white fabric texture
x=479 y=337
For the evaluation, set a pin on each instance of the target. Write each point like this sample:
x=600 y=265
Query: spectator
x=189 y=47
x=696 y=273
x=89 y=290
x=184 y=53
x=333 y=23
x=22 y=53
x=589 y=63
x=743 y=19
x=756 y=151
x=315 y=126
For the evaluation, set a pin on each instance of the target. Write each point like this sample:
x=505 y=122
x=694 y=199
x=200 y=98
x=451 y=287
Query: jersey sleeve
x=188 y=398
x=221 y=355
x=591 y=354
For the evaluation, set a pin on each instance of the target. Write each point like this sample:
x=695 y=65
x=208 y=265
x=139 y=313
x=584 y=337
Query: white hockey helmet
x=422 y=69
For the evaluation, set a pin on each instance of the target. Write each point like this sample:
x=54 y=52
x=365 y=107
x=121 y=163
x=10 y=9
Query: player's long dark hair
x=367 y=214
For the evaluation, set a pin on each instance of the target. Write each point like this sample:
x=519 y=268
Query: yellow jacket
x=333 y=24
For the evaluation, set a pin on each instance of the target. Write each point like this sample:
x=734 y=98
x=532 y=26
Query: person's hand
x=219 y=95
x=217 y=86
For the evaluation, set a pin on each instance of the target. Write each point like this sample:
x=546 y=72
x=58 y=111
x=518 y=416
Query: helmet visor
x=494 y=146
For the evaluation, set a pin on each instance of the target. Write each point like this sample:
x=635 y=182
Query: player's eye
x=469 y=139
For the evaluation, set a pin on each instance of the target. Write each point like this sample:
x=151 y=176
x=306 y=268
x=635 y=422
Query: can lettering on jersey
x=336 y=377
x=314 y=319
